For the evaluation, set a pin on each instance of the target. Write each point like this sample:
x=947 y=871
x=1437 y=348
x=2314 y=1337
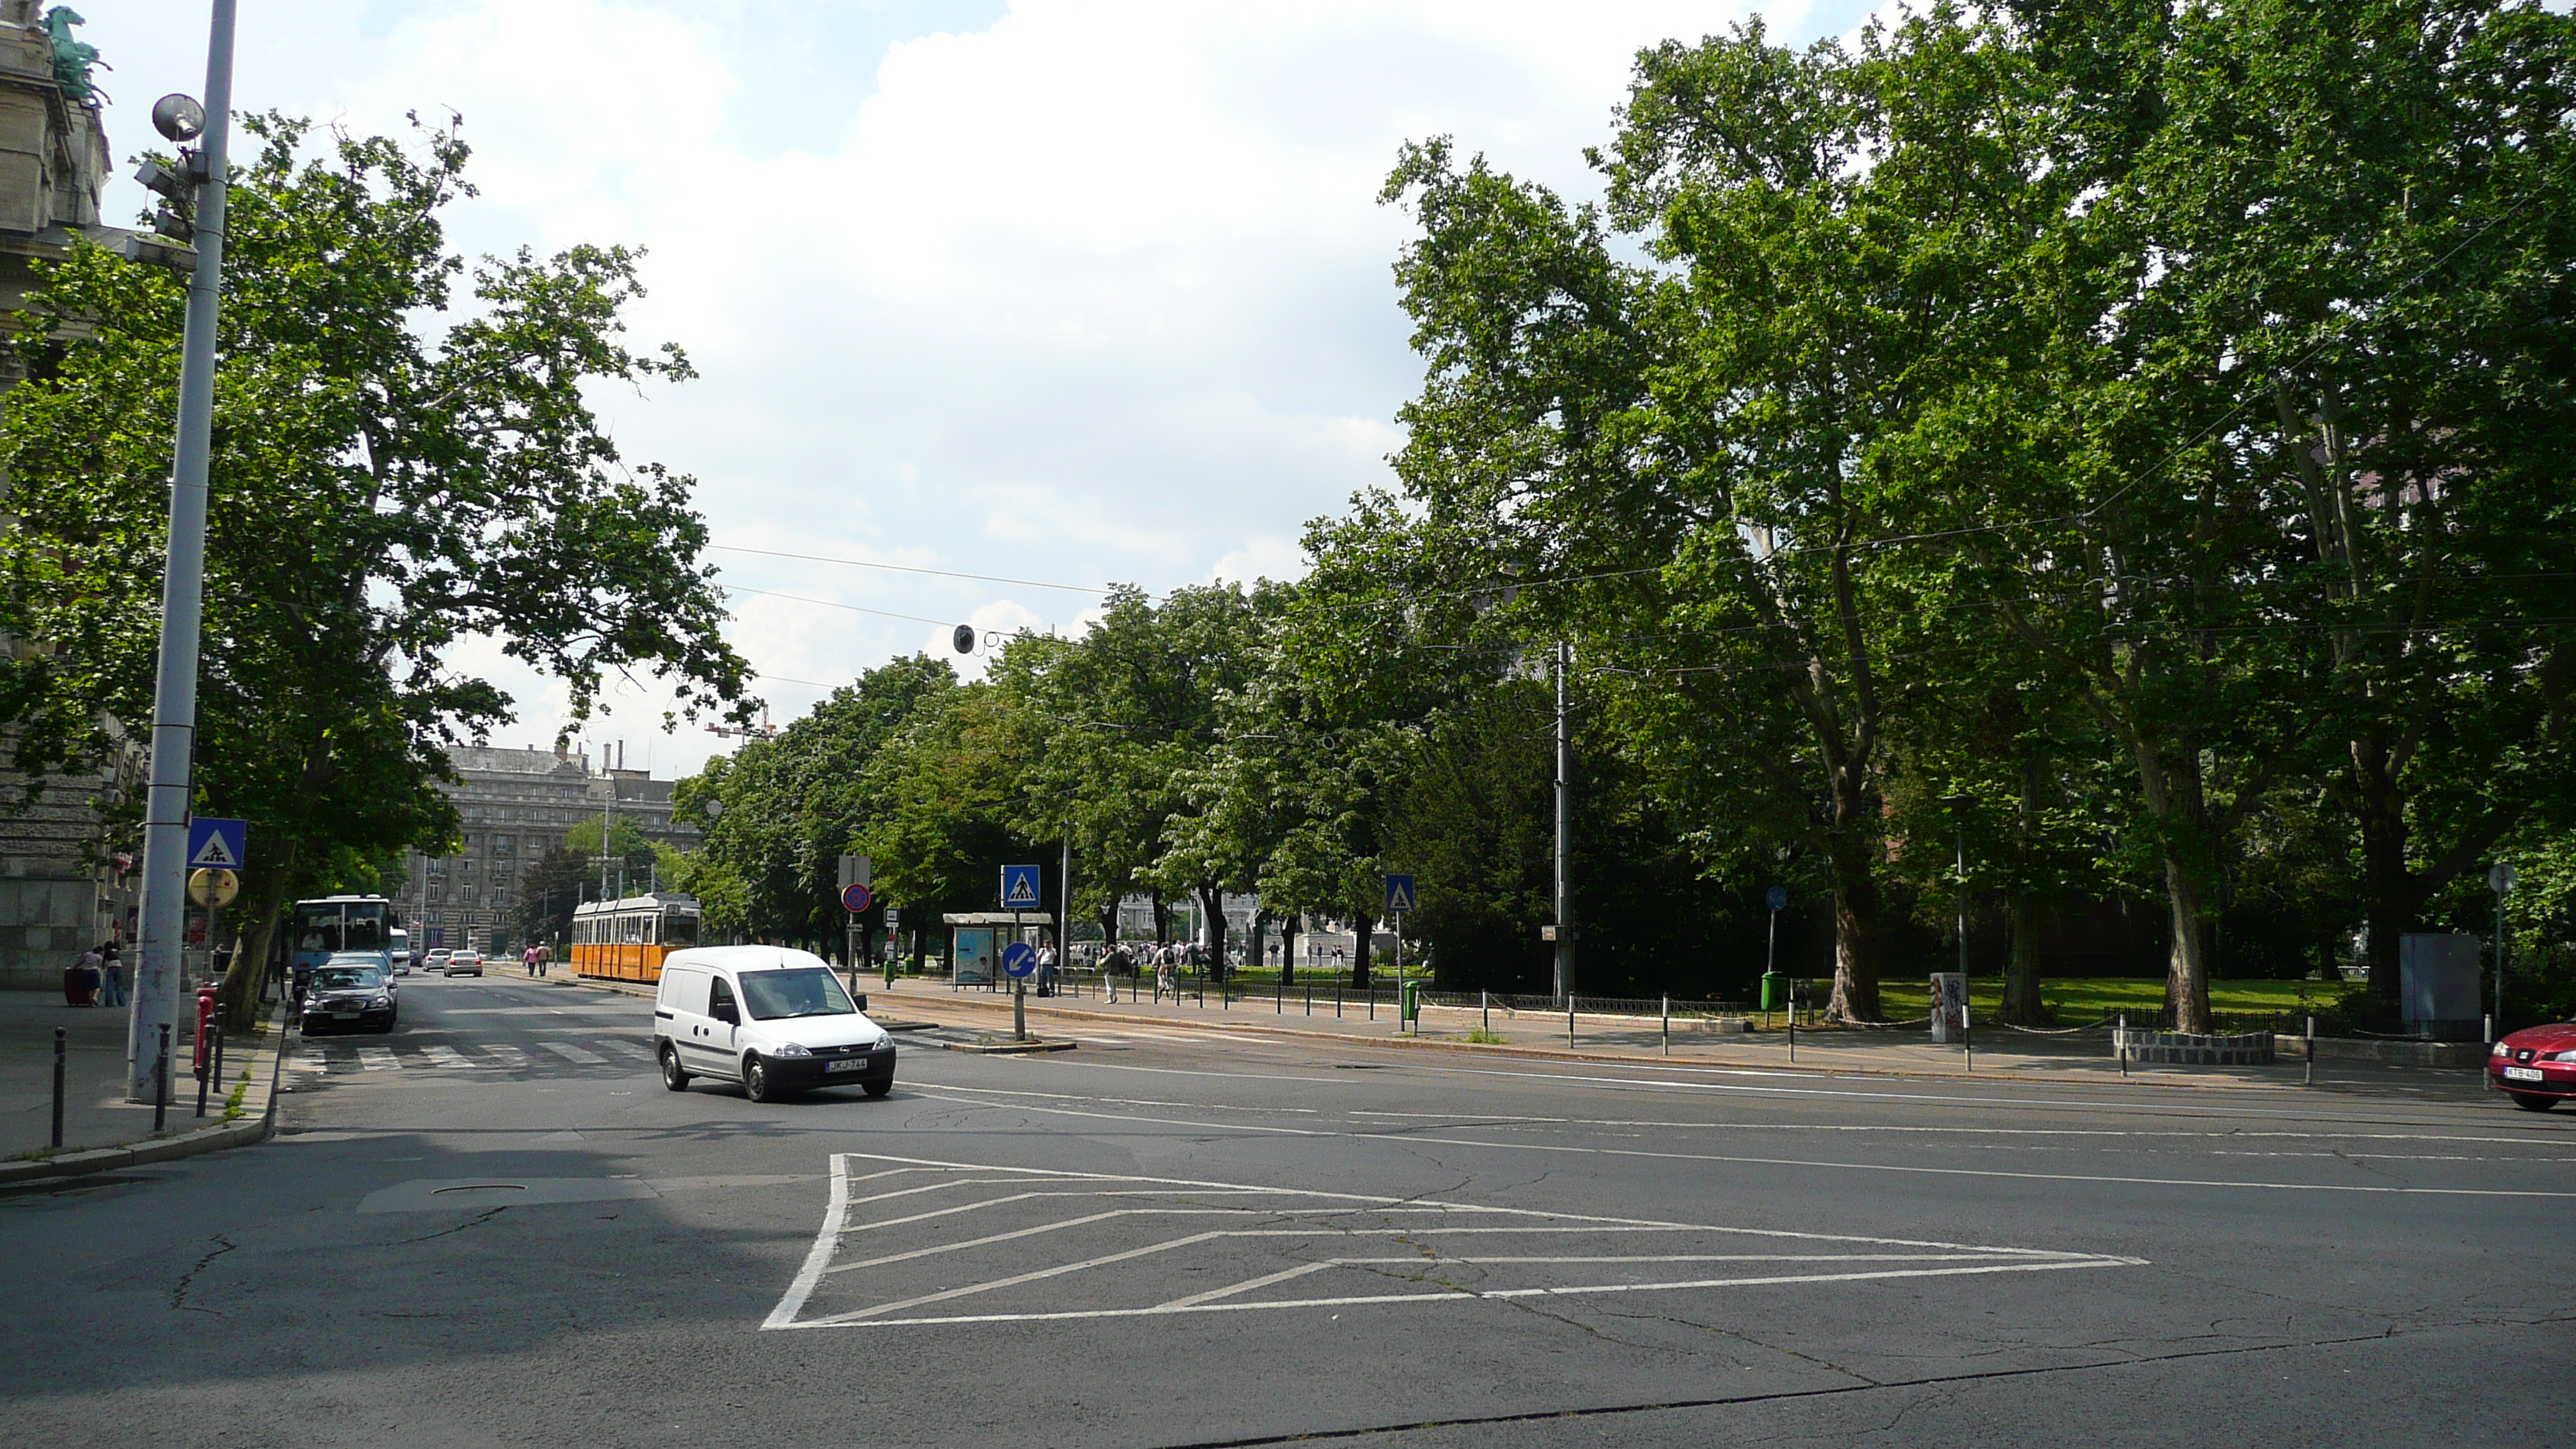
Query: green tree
x=388 y=481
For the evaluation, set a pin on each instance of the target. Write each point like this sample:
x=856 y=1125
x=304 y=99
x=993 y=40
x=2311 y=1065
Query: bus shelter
x=976 y=939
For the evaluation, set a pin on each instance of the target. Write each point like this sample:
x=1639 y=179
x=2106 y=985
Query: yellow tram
x=625 y=940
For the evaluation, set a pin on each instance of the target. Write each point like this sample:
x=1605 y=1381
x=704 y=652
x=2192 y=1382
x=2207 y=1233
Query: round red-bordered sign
x=855 y=898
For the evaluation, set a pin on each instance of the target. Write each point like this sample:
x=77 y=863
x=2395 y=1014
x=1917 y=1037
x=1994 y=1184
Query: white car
x=777 y=1021
x=463 y=963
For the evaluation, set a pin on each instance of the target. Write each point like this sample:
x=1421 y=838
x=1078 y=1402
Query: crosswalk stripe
x=620 y=1047
x=510 y=1057
x=379 y=1059
x=445 y=1056
x=572 y=1053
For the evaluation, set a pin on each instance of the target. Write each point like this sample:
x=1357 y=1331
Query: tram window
x=680 y=930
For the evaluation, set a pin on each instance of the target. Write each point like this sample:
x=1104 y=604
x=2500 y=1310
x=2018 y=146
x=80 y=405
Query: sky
x=1072 y=291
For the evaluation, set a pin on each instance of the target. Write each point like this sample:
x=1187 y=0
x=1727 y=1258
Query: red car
x=2536 y=1066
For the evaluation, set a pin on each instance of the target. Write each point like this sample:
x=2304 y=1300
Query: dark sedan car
x=2536 y=1066
x=348 y=996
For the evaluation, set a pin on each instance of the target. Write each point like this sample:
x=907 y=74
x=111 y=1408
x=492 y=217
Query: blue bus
x=340 y=923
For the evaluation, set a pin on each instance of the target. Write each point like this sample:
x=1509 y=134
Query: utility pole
x=607 y=814
x=1564 y=828
x=183 y=586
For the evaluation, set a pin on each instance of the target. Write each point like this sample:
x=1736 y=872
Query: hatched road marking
x=920 y=1233
x=571 y=1053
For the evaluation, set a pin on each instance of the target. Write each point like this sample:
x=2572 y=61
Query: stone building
x=63 y=883
x=515 y=806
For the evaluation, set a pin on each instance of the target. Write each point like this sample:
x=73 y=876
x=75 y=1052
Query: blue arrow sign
x=1019 y=888
x=1399 y=894
x=216 y=844
x=1019 y=958
x=1777 y=898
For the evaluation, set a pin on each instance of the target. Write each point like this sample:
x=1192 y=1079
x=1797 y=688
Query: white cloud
x=1079 y=290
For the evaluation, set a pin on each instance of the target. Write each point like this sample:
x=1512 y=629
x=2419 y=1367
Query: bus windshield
x=365 y=928
x=317 y=928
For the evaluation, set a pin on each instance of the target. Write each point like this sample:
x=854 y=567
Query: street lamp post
x=174 y=691
x=2499 y=880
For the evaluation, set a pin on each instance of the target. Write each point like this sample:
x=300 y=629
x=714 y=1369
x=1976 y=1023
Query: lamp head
x=178 y=117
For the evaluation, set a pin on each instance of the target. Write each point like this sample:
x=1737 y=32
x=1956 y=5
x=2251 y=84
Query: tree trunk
x=1858 y=934
x=2022 y=1003
x=1360 y=955
x=1212 y=911
x=238 y=1001
x=2391 y=896
x=1162 y=918
x=2187 y=961
x=1287 y=975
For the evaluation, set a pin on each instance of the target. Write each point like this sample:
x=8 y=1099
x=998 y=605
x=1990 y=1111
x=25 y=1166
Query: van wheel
x=755 y=1080
x=672 y=1077
x=878 y=1089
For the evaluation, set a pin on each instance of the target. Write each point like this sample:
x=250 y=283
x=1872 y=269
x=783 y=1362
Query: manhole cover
x=481 y=1187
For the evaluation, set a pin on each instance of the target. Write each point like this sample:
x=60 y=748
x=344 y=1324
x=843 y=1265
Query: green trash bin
x=1410 y=1008
x=1775 y=991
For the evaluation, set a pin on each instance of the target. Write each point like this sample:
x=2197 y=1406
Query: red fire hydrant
x=205 y=1037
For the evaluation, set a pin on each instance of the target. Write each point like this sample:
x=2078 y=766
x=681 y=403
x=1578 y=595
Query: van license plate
x=852 y=1066
x=2522 y=1074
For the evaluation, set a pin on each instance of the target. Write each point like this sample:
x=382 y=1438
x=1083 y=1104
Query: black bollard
x=161 y=1083
x=58 y=1086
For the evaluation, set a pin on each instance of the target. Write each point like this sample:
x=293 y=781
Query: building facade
x=515 y=805
x=64 y=883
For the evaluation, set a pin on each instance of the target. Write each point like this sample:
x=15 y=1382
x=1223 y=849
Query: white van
x=773 y=1019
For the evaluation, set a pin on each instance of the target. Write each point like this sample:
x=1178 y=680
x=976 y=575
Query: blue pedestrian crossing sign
x=1777 y=898
x=1019 y=888
x=1019 y=958
x=216 y=844
x=1399 y=894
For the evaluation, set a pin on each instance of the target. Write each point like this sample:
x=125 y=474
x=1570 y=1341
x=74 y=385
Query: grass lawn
x=2083 y=1000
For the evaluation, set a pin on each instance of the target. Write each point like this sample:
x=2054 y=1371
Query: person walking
x=533 y=959
x=111 y=976
x=1046 y=970
x=89 y=977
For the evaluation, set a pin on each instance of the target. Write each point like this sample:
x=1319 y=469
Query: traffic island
x=1001 y=1046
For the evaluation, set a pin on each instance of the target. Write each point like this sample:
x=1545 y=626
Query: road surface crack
x=476 y=1221
x=188 y=1280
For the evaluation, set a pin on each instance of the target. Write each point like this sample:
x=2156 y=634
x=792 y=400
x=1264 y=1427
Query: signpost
x=1399 y=899
x=1019 y=888
x=1019 y=959
x=2499 y=880
x=856 y=873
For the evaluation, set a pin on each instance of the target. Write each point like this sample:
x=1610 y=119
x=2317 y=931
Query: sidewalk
x=95 y=1112
x=2001 y=1054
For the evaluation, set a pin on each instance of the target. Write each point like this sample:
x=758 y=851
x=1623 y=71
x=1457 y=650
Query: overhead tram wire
x=860 y=563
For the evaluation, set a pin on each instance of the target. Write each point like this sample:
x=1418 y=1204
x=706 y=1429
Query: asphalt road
x=496 y=1228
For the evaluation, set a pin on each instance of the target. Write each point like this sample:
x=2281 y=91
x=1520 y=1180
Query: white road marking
x=510 y=1058
x=445 y=1056
x=571 y=1053
x=379 y=1059
x=2106 y=1178
x=1334 y=1213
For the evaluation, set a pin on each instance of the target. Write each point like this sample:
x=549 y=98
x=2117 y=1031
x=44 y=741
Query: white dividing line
x=819 y=1256
x=445 y=1056
x=1017 y=1279
x=509 y=1058
x=2105 y=1178
x=1264 y=1281
x=571 y=1053
x=379 y=1059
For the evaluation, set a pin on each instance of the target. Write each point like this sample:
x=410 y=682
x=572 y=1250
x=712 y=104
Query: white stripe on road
x=571 y=1053
x=510 y=1057
x=379 y=1059
x=445 y=1056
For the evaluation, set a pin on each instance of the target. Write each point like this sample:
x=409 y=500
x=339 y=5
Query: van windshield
x=806 y=991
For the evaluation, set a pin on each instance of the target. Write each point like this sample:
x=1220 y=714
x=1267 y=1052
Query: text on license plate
x=352 y=1011
x=2522 y=1074
x=856 y=1063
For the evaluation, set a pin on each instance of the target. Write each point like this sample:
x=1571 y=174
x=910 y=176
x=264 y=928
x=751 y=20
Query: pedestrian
x=1166 y=983
x=111 y=976
x=89 y=978
x=534 y=960
x=1046 y=970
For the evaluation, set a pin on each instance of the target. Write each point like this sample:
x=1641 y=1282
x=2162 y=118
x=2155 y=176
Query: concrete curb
x=1002 y=1048
x=241 y=1133
x=1844 y=1069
